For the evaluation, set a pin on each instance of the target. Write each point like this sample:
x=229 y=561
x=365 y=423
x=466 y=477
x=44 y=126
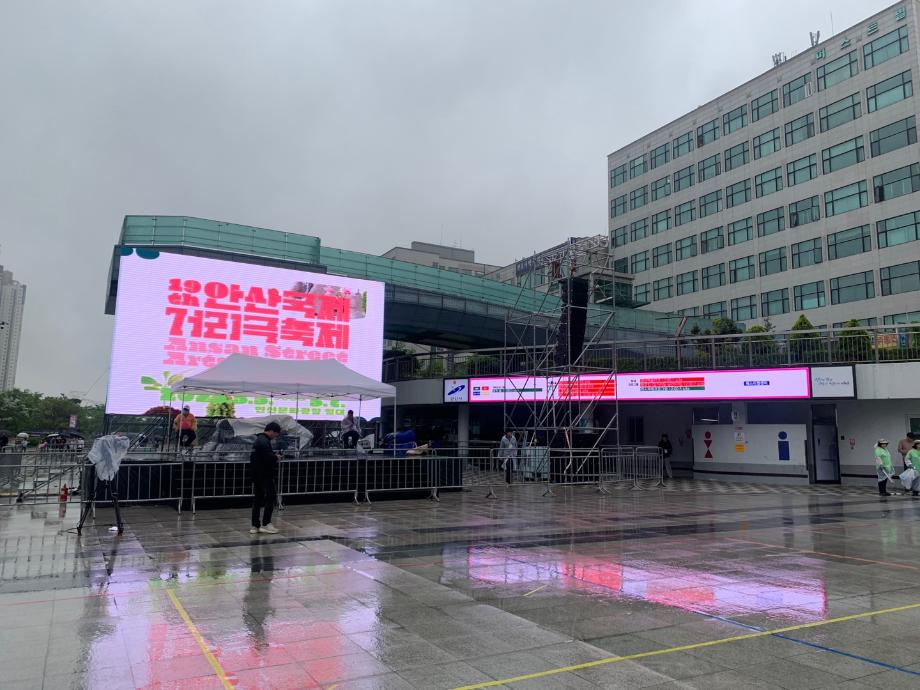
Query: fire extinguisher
x=62 y=497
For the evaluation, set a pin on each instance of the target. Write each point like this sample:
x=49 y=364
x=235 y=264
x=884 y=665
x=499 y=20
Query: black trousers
x=350 y=438
x=264 y=498
x=187 y=437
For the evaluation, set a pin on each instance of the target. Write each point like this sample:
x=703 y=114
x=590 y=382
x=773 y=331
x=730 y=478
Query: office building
x=796 y=192
x=440 y=256
x=12 y=301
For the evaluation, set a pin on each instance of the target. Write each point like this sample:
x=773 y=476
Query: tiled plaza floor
x=702 y=585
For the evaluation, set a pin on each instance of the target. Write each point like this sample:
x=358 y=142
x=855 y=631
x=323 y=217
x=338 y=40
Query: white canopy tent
x=326 y=379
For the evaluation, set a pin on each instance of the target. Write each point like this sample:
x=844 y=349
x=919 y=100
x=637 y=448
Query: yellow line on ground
x=534 y=591
x=192 y=628
x=684 y=648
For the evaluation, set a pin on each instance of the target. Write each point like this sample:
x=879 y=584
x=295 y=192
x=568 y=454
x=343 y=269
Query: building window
x=661 y=188
x=683 y=144
x=772 y=261
x=707 y=133
x=807 y=253
x=618 y=175
x=638 y=262
x=734 y=120
x=662 y=289
x=808 y=296
x=710 y=203
x=661 y=221
x=686 y=247
x=838 y=70
x=898 y=230
x=802 y=170
x=687 y=283
x=900 y=278
x=889 y=92
x=800 y=129
x=661 y=255
x=804 y=212
x=741 y=269
x=713 y=276
x=849 y=242
x=659 y=156
x=618 y=206
x=740 y=231
x=885 y=47
x=737 y=156
x=683 y=178
x=639 y=230
x=846 y=199
x=865 y=323
x=766 y=143
x=638 y=197
x=738 y=193
x=685 y=213
x=711 y=240
x=744 y=308
x=642 y=293
x=840 y=112
x=636 y=167
x=853 y=288
x=768 y=182
x=620 y=236
x=716 y=310
x=894 y=136
x=764 y=105
x=620 y=265
x=895 y=183
x=903 y=318
x=774 y=302
x=797 y=90
x=771 y=222
x=689 y=311
x=843 y=155
x=709 y=168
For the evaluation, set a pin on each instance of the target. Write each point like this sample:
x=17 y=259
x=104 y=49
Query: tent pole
x=395 y=431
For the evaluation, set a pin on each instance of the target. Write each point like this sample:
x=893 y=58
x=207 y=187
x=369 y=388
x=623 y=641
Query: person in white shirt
x=351 y=431
x=508 y=451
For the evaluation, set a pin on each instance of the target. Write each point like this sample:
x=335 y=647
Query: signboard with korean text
x=177 y=315
x=746 y=384
x=833 y=382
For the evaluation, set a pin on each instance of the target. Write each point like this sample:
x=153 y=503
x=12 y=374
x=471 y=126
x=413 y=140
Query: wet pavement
x=703 y=585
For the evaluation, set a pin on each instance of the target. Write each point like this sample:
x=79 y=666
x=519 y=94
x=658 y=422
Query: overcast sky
x=369 y=124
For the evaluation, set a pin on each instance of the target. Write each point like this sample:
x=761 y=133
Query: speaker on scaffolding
x=573 y=320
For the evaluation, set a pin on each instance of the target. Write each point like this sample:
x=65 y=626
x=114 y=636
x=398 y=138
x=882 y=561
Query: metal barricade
x=38 y=477
x=317 y=474
x=137 y=482
x=397 y=473
x=220 y=475
x=632 y=465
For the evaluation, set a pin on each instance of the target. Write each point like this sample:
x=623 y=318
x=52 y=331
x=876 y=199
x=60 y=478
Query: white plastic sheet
x=907 y=477
x=107 y=453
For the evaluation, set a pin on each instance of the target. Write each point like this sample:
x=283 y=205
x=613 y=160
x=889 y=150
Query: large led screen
x=178 y=315
x=754 y=384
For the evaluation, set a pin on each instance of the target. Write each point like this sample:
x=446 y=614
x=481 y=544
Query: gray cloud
x=368 y=124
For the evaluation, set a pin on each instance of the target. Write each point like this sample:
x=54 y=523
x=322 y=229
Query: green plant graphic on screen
x=165 y=388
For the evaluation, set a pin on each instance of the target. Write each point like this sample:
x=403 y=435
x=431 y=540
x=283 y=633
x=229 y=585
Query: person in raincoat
x=912 y=462
x=882 y=466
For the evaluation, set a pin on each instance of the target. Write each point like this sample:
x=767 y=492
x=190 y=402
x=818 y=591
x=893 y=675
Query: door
x=824 y=444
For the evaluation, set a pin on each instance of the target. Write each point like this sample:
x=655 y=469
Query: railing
x=735 y=351
x=181 y=479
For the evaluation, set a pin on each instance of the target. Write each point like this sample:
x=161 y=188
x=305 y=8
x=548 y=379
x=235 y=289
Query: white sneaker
x=253 y=530
x=268 y=529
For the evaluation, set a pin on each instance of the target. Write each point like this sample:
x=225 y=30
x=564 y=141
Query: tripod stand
x=90 y=505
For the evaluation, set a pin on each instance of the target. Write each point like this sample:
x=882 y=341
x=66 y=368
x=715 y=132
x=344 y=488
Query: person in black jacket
x=263 y=461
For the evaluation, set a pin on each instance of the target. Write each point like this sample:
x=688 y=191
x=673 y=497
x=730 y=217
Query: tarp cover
x=327 y=379
x=230 y=429
x=107 y=453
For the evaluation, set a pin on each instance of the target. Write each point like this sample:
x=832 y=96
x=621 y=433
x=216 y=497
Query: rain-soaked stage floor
x=702 y=585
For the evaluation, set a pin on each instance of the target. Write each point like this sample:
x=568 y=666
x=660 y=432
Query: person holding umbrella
x=882 y=466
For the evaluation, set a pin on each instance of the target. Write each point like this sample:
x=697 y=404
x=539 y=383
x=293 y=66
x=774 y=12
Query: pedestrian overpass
x=423 y=304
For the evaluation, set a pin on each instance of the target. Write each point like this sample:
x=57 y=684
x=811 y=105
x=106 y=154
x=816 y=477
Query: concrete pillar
x=463 y=427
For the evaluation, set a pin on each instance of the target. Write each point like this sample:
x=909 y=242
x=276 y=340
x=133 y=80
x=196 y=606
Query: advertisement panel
x=747 y=384
x=456 y=390
x=177 y=315
x=833 y=382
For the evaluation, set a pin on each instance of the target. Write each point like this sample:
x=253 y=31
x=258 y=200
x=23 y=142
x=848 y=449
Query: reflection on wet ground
x=700 y=586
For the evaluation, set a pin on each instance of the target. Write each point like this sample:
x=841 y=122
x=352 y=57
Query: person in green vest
x=912 y=461
x=882 y=466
